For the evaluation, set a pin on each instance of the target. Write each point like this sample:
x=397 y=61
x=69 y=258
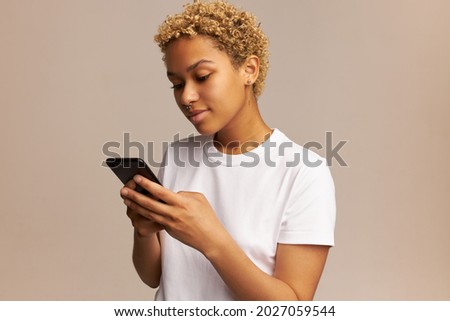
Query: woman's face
x=204 y=77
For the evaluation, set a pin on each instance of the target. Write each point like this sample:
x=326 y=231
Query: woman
x=242 y=217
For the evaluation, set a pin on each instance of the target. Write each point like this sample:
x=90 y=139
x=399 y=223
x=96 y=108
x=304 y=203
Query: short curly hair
x=236 y=32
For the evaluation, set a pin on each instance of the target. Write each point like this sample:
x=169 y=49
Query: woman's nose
x=189 y=94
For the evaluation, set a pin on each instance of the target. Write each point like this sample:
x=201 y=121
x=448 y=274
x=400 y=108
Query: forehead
x=184 y=52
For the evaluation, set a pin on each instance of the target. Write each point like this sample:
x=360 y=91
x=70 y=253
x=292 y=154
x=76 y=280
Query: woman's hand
x=143 y=226
x=186 y=216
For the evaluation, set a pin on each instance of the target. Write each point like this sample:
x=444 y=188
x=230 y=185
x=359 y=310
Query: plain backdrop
x=75 y=75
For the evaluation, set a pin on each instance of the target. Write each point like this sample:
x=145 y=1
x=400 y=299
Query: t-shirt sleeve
x=311 y=208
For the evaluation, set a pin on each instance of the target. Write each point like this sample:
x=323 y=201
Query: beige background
x=77 y=74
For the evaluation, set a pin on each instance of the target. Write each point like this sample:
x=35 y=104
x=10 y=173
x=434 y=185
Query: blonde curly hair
x=236 y=32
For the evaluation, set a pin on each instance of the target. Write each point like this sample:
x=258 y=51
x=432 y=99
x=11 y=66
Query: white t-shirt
x=278 y=192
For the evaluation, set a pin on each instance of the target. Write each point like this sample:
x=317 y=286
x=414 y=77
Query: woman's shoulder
x=294 y=153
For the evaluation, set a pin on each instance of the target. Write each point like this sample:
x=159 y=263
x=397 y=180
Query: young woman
x=244 y=216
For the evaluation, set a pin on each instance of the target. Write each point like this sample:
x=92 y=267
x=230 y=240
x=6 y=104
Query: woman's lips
x=197 y=116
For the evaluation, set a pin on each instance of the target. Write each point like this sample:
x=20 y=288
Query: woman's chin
x=205 y=130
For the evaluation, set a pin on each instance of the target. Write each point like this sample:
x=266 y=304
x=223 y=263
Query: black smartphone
x=126 y=168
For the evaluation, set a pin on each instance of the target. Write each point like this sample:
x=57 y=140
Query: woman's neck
x=244 y=134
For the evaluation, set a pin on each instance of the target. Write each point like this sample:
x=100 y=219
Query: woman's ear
x=250 y=70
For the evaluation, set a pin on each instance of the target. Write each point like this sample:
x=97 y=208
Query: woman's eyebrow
x=193 y=66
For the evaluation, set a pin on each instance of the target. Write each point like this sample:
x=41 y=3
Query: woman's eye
x=181 y=85
x=177 y=86
x=203 y=78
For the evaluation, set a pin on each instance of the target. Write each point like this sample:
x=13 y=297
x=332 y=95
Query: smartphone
x=126 y=168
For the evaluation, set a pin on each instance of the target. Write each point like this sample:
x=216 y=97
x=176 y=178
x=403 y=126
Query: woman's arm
x=189 y=218
x=146 y=249
x=297 y=271
x=147 y=258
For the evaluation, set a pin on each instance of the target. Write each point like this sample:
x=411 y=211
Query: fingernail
x=137 y=178
x=124 y=191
